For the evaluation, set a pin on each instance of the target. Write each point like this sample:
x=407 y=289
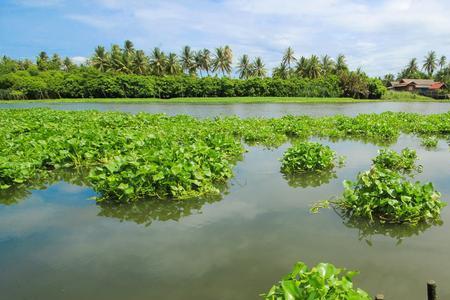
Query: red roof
x=436 y=85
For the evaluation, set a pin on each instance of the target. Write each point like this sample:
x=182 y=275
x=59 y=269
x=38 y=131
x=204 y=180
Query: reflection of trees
x=17 y=193
x=367 y=229
x=149 y=210
x=310 y=179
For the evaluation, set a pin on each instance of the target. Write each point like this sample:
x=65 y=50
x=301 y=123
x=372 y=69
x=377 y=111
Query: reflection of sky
x=269 y=110
x=54 y=246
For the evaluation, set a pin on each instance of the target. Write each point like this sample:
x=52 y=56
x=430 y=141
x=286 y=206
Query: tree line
x=204 y=63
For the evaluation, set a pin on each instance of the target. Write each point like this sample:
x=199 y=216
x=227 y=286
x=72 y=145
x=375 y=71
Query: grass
x=389 y=97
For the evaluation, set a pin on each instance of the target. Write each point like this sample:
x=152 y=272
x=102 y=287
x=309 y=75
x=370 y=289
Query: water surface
x=272 y=110
x=55 y=243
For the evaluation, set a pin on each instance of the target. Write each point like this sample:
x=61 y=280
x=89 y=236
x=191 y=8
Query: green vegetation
x=307 y=156
x=131 y=157
x=125 y=72
x=405 y=161
x=321 y=282
x=404 y=96
x=384 y=195
x=429 y=142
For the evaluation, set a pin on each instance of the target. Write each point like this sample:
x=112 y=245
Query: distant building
x=427 y=87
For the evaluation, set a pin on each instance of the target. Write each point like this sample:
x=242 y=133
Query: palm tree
x=442 y=62
x=67 y=64
x=205 y=60
x=222 y=62
x=301 y=67
x=42 y=61
x=244 y=67
x=140 y=63
x=341 y=64
x=128 y=46
x=259 y=69
x=288 y=57
x=412 y=66
x=281 y=71
x=313 y=67
x=55 y=62
x=158 y=62
x=228 y=54
x=327 y=64
x=101 y=59
x=430 y=63
x=173 y=65
x=116 y=59
x=188 y=60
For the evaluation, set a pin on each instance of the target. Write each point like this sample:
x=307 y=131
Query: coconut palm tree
x=187 y=60
x=313 y=67
x=341 y=64
x=282 y=71
x=101 y=59
x=228 y=54
x=442 y=62
x=259 y=69
x=327 y=64
x=301 y=67
x=222 y=61
x=67 y=64
x=158 y=62
x=244 y=67
x=173 y=66
x=140 y=63
x=203 y=60
x=288 y=57
x=55 y=62
x=42 y=61
x=412 y=66
x=116 y=59
x=430 y=63
x=128 y=47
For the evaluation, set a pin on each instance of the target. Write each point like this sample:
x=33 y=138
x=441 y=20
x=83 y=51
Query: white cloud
x=78 y=60
x=380 y=36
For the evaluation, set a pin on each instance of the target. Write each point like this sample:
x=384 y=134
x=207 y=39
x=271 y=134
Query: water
x=271 y=110
x=55 y=243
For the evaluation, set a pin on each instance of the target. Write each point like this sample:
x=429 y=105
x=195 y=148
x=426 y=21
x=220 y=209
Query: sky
x=378 y=36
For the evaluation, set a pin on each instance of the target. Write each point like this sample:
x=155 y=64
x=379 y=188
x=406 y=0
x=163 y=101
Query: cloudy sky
x=380 y=36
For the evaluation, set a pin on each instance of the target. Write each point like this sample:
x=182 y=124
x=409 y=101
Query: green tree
x=173 y=66
x=327 y=64
x=55 y=62
x=430 y=63
x=203 y=60
x=341 y=64
x=244 y=67
x=188 y=60
x=282 y=71
x=140 y=63
x=301 y=69
x=442 y=62
x=288 y=57
x=313 y=68
x=68 y=65
x=42 y=61
x=101 y=59
x=259 y=69
x=158 y=62
x=222 y=61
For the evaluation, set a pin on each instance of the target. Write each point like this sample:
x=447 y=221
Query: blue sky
x=380 y=36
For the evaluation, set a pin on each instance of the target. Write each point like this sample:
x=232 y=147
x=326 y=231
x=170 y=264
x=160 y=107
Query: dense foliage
x=405 y=161
x=129 y=72
x=90 y=83
x=307 y=156
x=383 y=193
x=429 y=142
x=322 y=282
x=137 y=156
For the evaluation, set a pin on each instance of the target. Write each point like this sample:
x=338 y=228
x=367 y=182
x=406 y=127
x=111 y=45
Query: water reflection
x=310 y=179
x=16 y=194
x=367 y=230
x=149 y=210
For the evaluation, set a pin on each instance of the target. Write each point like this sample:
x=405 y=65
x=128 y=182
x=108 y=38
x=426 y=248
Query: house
x=427 y=87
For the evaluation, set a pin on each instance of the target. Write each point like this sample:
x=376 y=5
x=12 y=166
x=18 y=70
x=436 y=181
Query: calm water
x=57 y=244
x=249 y=110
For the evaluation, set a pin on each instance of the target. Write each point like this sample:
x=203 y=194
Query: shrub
x=321 y=282
x=429 y=142
x=385 y=195
x=307 y=156
x=404 y=162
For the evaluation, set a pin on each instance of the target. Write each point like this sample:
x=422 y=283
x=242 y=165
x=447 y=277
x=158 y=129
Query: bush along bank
x=90 y=83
